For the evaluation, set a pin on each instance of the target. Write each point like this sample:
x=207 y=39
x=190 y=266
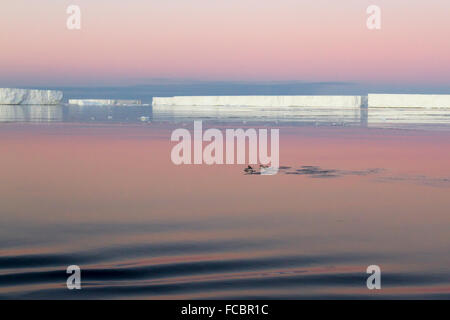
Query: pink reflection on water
x=60 y=174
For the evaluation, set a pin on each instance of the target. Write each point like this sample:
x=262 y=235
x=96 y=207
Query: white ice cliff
x=27 y=96
x=409 y=101
x=262 y=101
x=104 y=102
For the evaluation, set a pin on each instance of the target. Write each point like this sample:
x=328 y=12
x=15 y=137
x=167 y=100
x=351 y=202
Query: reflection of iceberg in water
x=30 y=113
x=306 y=115
x=408 y=118
x=46 y=113
x=106 y=113
x=10 y=113
x=413 y=118
x=66 y=113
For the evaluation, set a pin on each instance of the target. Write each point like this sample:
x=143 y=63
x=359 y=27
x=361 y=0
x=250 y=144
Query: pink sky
x=320 y=40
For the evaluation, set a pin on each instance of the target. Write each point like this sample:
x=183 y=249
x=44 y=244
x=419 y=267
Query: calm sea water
x=95 y=187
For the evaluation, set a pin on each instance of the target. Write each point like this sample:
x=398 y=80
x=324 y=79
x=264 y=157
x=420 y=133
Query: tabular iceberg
x=104 y=102
x=409 y=100
x=263 y=101
x=27 y=96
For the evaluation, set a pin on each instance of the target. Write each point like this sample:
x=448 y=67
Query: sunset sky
x=134 y=41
